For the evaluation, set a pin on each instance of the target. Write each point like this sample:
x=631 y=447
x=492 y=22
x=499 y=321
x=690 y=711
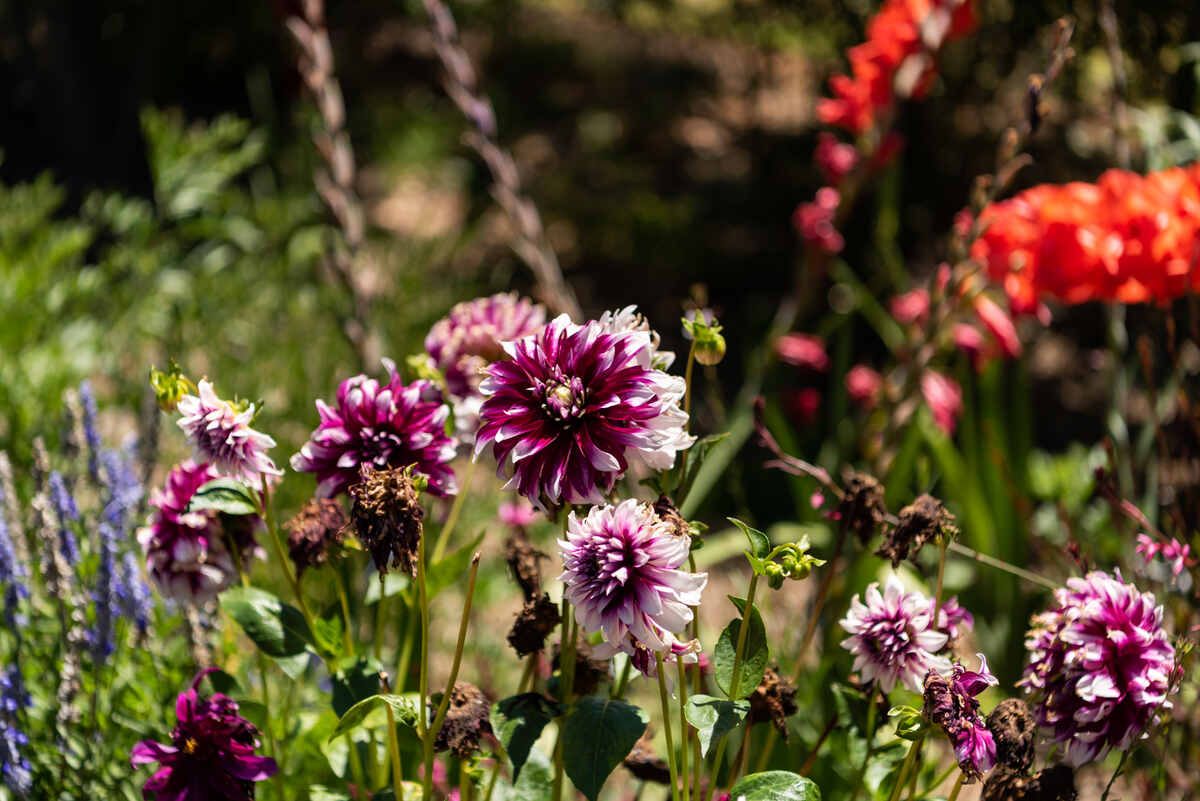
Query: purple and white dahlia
x=1099 y=665
x=211 y=754
x=892 y=637
x=621 y=571
x=384 y=426
x=950 y=703
x=468 y=339
x=221 y=434
x=629 y=319
x=187 y=553
x=574 y=407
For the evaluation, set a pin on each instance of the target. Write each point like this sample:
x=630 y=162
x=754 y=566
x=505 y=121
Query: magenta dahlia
x=469 y=338
x=187 y=553
x=950 y=703
x=621 y=571
x=211 y=754
x=1099 y=666
x=893 y=638
x=382 y=425
x=574 y=407
x=221 y=434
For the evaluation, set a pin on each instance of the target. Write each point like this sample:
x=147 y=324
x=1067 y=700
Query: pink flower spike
x=803 y=350
x=910 y=308
x=943 y=396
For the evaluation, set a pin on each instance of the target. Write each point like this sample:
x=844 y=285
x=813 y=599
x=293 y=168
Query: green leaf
x=714 y=718
x=696 y=456
x=536 y=782
x=319 y=792
x=775 y=785
x=355 y=679
x=755 y=656
x=597 y=734
x=451 y=569
x=393 y=584
x=327 y=631
x=760 y=544
x=225 y=495
x=406 y=713
x=293 y=666
x=278 y=629
x=518 y=722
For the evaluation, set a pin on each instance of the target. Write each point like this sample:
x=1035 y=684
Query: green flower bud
x=170 y=386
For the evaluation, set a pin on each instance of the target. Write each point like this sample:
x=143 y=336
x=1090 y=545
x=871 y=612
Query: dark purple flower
x=621 y=570
x=953 y=620
x=383 y=426
x=1100 y=666
x=574 y=407
x=950 y=703
x=211 y=754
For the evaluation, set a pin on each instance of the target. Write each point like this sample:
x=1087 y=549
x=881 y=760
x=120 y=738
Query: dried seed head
x=317 y=530
x=644 y=765
x=1013 y=727
x=524 y=561
x=862 y=508
x=467 y=719
x=1056 y=783
x=923 y=520
x=533 y=625
x=774 y=699
x=387 y=515
x=667 y=513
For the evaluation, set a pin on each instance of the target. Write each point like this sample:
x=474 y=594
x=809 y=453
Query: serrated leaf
x=775 y=785
x=714 y=718
x=755 y=656
x=225 y=495
x=518 y=722
x=760 y=543
x=278 y=629
x=597 y=734
x=406 y=714
x=451 y=569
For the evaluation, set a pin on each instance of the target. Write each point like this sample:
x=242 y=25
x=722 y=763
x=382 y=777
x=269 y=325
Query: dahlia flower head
x=211 y=754
x=1127 y=238
x=629 y=319
x=951 y=704
x=621 y=571
x=893 y=637
x=1099 y=666
x=383 y=425
x=221 y=434
x=187 y=553
x=574 y=407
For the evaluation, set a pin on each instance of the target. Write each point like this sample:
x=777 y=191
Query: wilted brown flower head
x=862 y=509
x=317 y=530
x=533 y=625
x=645 y=765
x=1055 y=783
x=1013 y=727
x=467 y=719
x=387 y=516
x=525 y=562
x=589 y=671
x=774 y=699
x=923 y=520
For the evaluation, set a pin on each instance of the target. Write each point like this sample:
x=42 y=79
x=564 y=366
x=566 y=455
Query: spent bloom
x=187 y=553
x=621 y=571
x=1099 y=666
x=893 y=638
x=211 y=754
x=380 y=426
x=221 y=434
x=574 y=407
x=950 y=703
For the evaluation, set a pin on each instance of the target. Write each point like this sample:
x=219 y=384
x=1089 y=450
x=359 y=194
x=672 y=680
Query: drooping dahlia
x=221 y=434
x=381 y=426
x=211 y=755
x=187 y=553
x=467 y=339
x=621 y=571
x=574 y=407
x=950 y=703
x=892 y=637
x=1099 y=666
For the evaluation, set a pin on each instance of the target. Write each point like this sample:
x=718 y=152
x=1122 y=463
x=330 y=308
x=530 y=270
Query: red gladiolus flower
x=803 y=350
x=943 y=396
x=863 y=385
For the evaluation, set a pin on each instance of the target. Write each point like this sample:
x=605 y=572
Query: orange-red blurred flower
x=1126 y=238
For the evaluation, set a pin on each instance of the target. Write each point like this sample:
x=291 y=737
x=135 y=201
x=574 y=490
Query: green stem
x=902 y=777
x=394 y=753
x=933 y=785
x=819 y=602
x=406 y=647
x=272 y=746
x=285 y=564
x=423 y=681
x=1000 y=564
x=862 y=771
x=687 y=410
x=452 y=518
x=943 y=542
x=958 y=783
x=623 y=680
x=666 y=713
x=735 y=678
x=1116 y=773
x=380 y=615
x=345 y=602
x=684 y=732
x=444 y=705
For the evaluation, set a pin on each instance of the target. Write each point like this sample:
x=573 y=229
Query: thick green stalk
x=902 y=777
x=423 y=681
x=735 y=678
x=444 y=706
x=862 y=771
x=666 y=713
x=958 y=783
x=455 y=510
x=684 y=732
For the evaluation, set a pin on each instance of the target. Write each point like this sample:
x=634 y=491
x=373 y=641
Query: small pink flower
x=943 y=396
x=814 y=221
x=518 y=514
x=803 y=350
x=816 y=500
x=912 y=307
x=835 y=159
x=969 y=340
x=1176 y=553
x=1147 y=547
x=863 y=385
x=1000 y=325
